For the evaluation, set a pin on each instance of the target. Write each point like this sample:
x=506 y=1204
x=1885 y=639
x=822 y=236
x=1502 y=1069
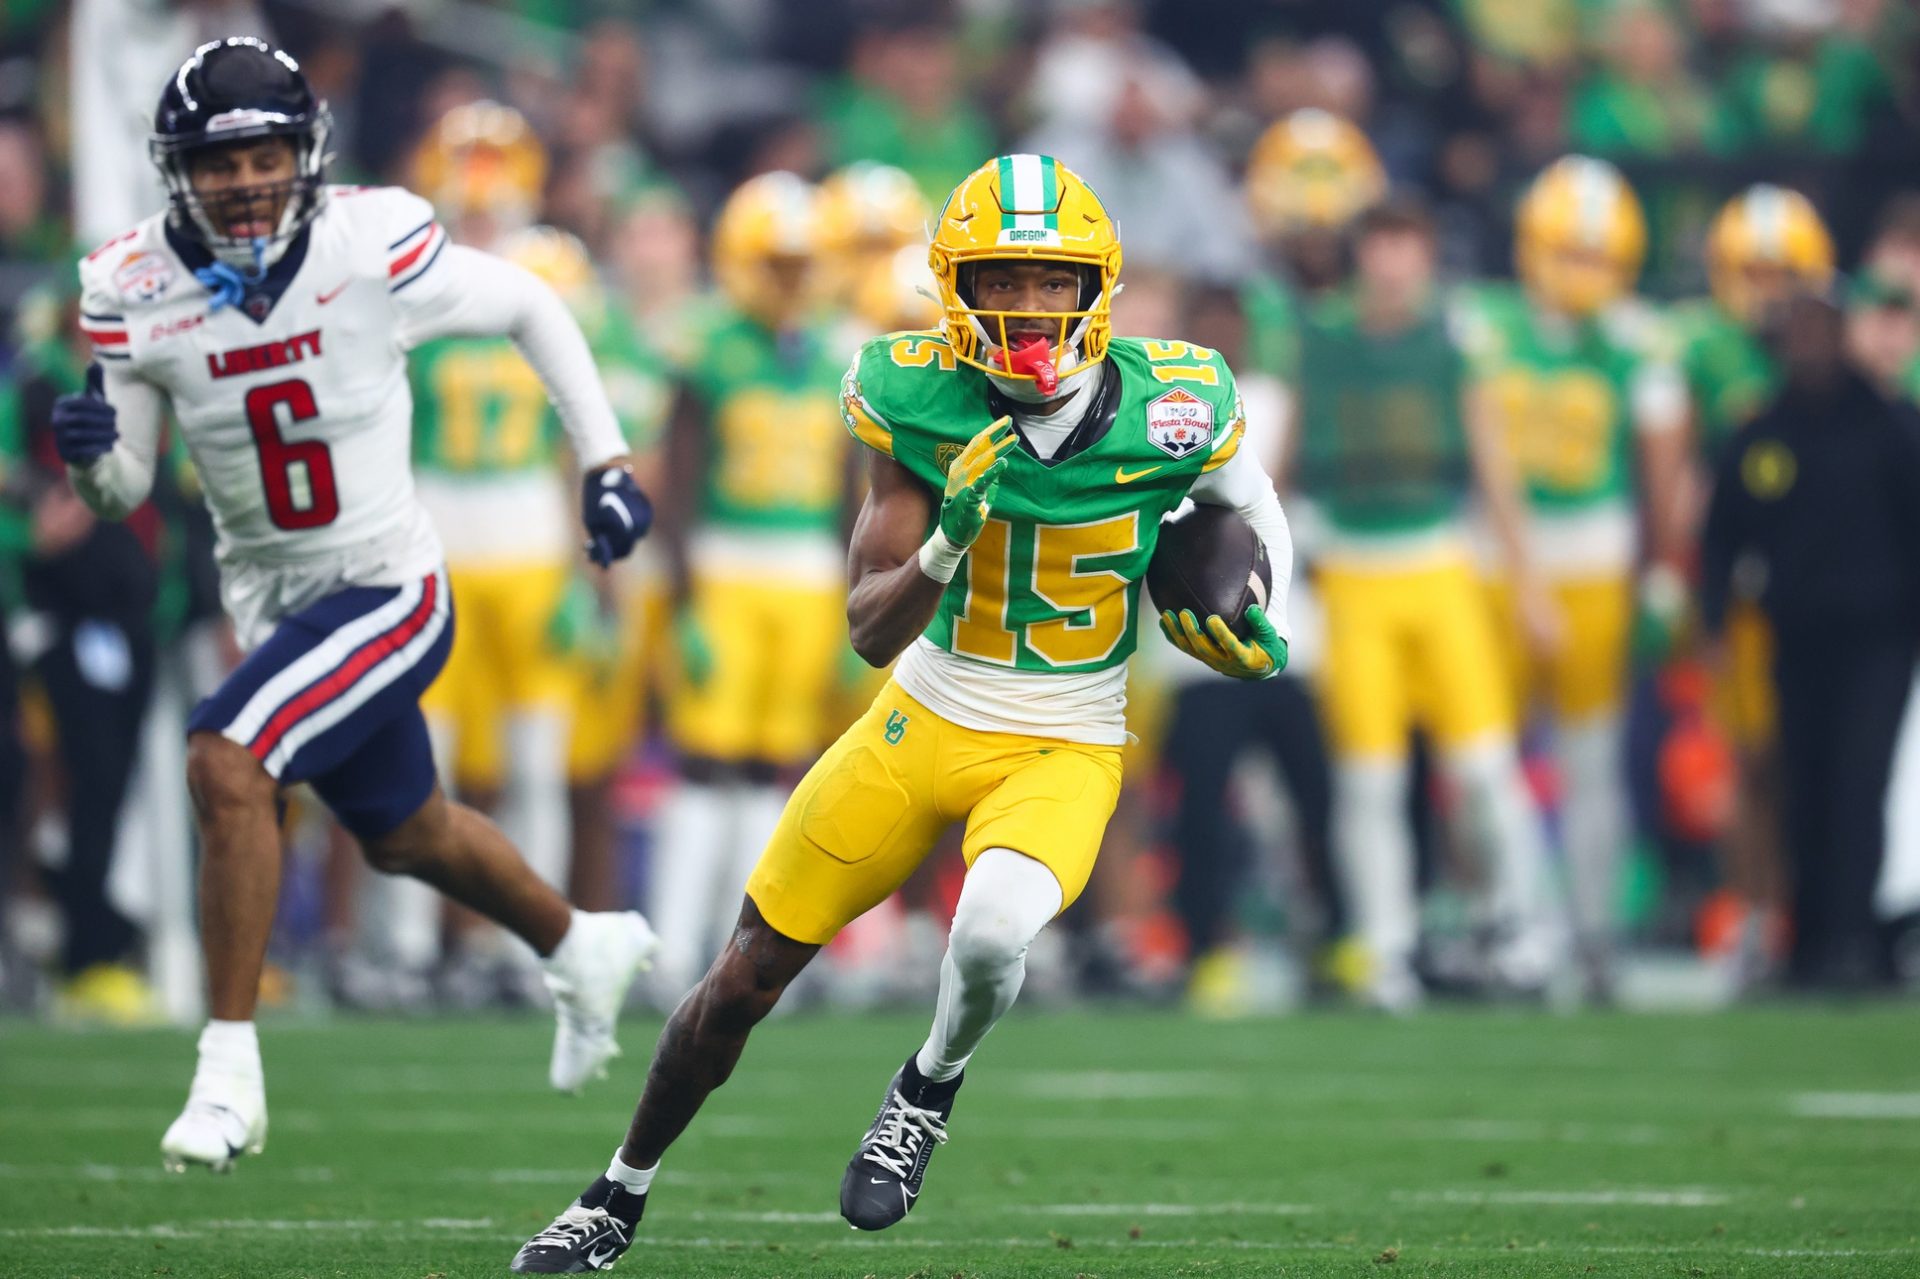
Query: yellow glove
x=1221 y=649
x=973 y=481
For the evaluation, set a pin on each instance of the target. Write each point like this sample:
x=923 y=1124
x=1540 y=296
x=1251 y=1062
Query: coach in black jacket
x=1817 y=504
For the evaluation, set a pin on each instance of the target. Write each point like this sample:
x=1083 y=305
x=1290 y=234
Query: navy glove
x=617 y=514
x=83 y=425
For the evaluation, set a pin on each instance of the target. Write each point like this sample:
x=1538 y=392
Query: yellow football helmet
x=1579 y=236
x=558 y=258
x=868 y=212
x=1029 y=208
x=1765 y=241
x=482 y=160
x=766 y=244
x=897 y=292
x=1312 y=169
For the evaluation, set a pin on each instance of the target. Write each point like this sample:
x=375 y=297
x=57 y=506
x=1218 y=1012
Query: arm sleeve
x=120 y=480
x=463 y=292
x=1241 y=485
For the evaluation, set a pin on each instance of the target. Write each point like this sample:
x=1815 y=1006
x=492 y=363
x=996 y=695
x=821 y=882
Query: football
x=1211 y=561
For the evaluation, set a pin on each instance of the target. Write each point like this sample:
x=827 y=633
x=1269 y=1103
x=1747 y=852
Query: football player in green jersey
x=752 y=532
x=1589 y=398
x=1020 y=459
x=1309 y=175
x=1765 y=243
x=1391 y=455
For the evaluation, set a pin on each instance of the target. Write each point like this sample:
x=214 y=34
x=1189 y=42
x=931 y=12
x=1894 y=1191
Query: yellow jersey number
x=1558 y=425
x=492 y=409
x=779 y=449
x=1091 y=604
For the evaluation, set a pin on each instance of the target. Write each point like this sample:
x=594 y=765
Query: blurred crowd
x=1510 y=749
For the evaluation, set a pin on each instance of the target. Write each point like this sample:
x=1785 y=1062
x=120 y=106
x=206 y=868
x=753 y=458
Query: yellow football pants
x=501 y=662
x=868 y=812
x=1743 y=697
x=611 y=697
x=774 y=651
x=1588 y=676
x=1406 y=647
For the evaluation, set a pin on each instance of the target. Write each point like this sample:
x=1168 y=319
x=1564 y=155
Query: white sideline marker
x=1855 y=1105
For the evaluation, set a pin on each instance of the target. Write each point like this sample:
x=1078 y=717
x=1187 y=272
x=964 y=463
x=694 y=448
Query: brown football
x=1211 y=561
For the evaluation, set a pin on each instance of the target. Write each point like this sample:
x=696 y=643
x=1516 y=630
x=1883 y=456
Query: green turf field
x=1765 y=1142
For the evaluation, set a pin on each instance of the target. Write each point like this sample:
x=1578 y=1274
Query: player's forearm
x=887 y=609
x=115 y=484
x=120 y=480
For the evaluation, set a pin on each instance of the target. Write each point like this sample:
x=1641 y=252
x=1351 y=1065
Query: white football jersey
x=298 y=420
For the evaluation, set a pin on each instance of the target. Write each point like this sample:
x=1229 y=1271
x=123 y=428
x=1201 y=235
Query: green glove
x=696 y=653
x=973 y=481
x=1217 y=645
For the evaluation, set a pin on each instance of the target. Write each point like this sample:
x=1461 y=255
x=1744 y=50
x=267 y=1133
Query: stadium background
x=643 y=120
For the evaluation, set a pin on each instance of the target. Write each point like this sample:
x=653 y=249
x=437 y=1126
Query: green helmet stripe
x=1050 y=190
x=1007 y=196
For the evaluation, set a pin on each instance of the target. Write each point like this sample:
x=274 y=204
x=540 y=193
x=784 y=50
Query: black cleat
x=583 y=1238
x=882 y=1182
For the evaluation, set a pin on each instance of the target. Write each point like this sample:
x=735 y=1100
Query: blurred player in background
x=1391 y=446
x=484 y=451
x=1041 y=454
x=1310 y=174
x=270 y=313
x=1765 y=244
x=1591 y=407
x=752 y=534
x=873 y=221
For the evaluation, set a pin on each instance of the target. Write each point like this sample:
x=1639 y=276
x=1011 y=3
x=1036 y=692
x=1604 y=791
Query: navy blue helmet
x=229 y=91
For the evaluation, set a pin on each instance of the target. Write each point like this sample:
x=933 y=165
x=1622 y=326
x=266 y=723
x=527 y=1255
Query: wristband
x=940 y=558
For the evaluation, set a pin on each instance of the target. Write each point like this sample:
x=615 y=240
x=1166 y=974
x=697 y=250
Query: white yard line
x=1855 y=1105
x=1122 y=1085
x=1162 y=1210
x=1676 y=1197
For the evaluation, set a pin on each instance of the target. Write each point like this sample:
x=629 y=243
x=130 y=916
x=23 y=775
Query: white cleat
x=225 y=1118
x=589 y=982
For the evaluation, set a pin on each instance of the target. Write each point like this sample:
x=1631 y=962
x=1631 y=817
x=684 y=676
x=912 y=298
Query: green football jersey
x=1272 y=310
x=1730 y=376
x=1383 y=449
x=637 y=378
x=479 y=410
x=775 y=453
x=1562 y=395
x=1053 y=583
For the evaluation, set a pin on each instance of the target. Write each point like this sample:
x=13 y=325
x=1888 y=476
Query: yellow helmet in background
x=1763 y=242
x=897 y=292
x=766 y=243
x=1025 y=208
x=868 y=212
x=1312 y=169
x=559 y=258
x=1579 y=236
x=482 y=160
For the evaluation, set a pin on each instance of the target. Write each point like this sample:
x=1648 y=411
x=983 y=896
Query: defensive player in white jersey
x=273 y=314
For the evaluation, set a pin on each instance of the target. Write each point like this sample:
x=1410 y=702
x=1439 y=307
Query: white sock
x=1006 y=900
x=632 y=1180
x=561 y=961
x=757 y=811
x=1374 y=851
x=1505 y=827
x=534 y=808
x=689 y=852
x=232 y=1049
x=1595 y=813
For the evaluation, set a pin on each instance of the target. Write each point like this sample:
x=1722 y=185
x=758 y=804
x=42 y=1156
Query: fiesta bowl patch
x=143 y=276
x=1179 y=423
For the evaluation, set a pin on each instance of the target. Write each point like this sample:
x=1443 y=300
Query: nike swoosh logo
x=608 y=502
x=336 y=291
x=595 y=1257
x=1121 y=475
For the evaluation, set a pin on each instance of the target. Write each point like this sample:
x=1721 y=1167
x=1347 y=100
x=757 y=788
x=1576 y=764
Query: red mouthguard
x=1032 y=355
